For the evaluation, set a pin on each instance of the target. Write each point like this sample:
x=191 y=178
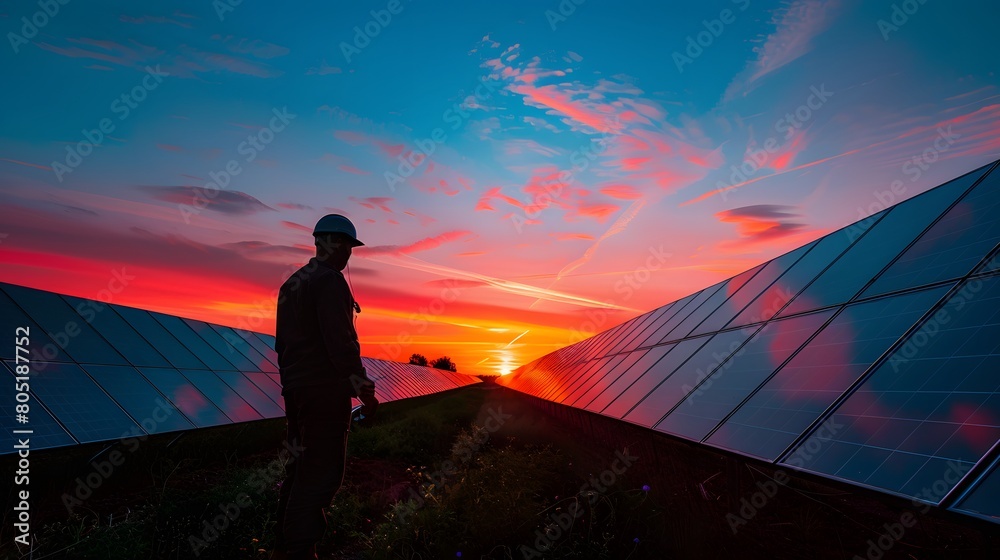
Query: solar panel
x=265 y=383
x=981 y=499
x=265 y=350
x=707 y=403
x=712 y=304
x=185 y=396
x=955 y=244
x=63 y=324
x=86 y=411
x=784 y=406
x=240 y=344
x=652 y=377
x=165 y=343
x=250 y=393
x=196 y=344
x=153 y=412
x=45 y=431
x=587 y=391
x=40 y=347
x=666 y=331
x=615 y=388
x=118 y=332
x=932 y=407
x=872 y=252
x=649 y=410
x=228 y=352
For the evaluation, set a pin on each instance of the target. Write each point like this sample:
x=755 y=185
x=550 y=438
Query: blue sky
x=527 y=235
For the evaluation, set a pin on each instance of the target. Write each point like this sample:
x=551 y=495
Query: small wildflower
x=645 y=488
x=636 y=540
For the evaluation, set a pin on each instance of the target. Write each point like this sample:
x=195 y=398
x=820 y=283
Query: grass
x=427 y=480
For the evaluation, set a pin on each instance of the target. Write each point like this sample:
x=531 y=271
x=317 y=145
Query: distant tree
x=418 y=359
x=444 y=362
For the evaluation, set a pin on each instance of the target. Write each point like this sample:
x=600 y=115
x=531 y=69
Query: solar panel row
x=869 y=355
x=101 y=372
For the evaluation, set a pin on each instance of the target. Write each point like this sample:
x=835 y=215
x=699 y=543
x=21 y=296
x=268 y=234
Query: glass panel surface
x=257 y=342
x=711 y=401
x=222 y=395
x=671 y=390
x=119 y=333
x=164 y=342
x=586 y=392
x=140 y=399
x=183 y=394
x=627 y=377
x=61 y=322
x=931 y=408
x=955 y=244
x=251 y=393
x=982 y=499
x=236 y=340
x=225 y=349
x=712 y=304
x=883 y=242
x=72 y=396
x=264 y=382
x=750 y=292
x=814 y=378
x=40 y=346
x=192 y=341
x=46 y=432
x=653 y=376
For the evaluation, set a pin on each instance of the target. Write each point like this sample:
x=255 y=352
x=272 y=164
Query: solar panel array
x=101 y=372
x=870 y=355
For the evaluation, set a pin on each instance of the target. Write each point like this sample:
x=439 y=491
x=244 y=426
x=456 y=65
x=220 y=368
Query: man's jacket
x=315 y=338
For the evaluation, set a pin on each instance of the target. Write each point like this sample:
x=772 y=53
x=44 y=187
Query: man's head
x=335 y=236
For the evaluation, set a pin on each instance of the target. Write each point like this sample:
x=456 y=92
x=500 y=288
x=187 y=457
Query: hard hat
x=335 y=223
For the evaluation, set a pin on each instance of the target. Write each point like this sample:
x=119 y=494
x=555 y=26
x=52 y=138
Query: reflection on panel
x=40 y=346
x=165 y=343
x=587 y=391
x=652 y=377
x=45 y=431
x=706 y=404
x=264 y=382
x=675 y=386
x=932 y=407
x=814 y=378
x=712 y=304
x=224 y=349
x=61 y=322
x=154 y=413
x=872 y=252
x=237 y=342
x=185 y=396
x=982 y=499
x=252 y=394
x=118 y=332
x=72 y=396
x=955 y=244
x=197 y=345
x=613 y=389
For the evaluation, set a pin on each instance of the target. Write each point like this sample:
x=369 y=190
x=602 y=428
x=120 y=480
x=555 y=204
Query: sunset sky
x=519 y=171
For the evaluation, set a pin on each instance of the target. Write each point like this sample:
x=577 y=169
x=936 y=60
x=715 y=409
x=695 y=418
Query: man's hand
x=366 y=393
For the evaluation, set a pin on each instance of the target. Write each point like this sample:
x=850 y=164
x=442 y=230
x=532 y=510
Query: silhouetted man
x=319 y=358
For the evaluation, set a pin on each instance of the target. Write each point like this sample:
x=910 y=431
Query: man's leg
x=292 y=437
x=323 y=418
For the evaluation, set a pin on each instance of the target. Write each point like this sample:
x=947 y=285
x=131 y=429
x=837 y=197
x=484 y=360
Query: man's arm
x=335 y=309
